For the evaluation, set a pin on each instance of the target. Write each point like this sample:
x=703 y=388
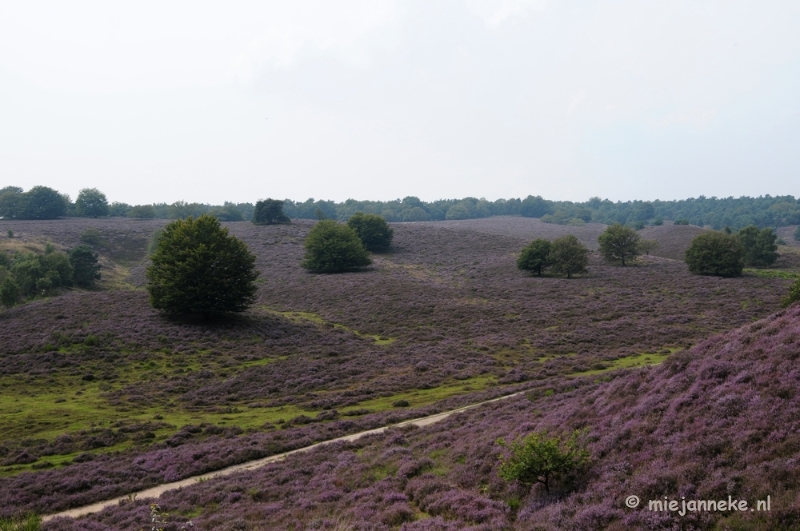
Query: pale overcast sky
x=212 y=101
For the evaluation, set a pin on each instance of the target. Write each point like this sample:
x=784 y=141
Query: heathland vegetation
x=644 y=379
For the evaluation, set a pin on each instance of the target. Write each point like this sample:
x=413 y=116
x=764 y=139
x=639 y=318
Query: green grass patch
x=772 y=273
x=309 y=317
x=628 y=362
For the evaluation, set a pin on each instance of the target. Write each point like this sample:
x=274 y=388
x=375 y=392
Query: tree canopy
x=269 y=212
x=92 y=203
x=331 y=247
x=619 y=243
x=715 y=253
x=568 y=256
x=85 y=267
x=535 y=256
x=759 y=246
x=542 y=458
x=198 y=268
x=374 y=232
x=793 y=296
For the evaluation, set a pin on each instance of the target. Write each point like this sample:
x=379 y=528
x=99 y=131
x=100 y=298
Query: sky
x=378 y=99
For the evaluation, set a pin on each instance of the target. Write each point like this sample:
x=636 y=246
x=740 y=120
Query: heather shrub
x=619 y=243
x=374 y=232
x=793 y=296
x=759 y=246
x=715 y=253
x=84 y=265
x=269 y=212
x=332 y=248
x=199 y=269
x=568 y=256
x=542 y=458
x=535 y=256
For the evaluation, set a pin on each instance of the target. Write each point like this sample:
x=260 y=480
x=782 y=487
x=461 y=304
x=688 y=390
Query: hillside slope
x=720 y=420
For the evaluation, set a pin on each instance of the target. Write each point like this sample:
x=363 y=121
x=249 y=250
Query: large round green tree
x=375 y=233
x=715 y=253
x=331 y=248
x=619 y=244
x=91 y=202
x=199 y=269
x=535 y=256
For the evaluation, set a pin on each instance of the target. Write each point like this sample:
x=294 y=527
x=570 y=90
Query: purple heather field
x=101 y=395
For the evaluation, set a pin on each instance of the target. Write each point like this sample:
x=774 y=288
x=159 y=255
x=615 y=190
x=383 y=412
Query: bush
x=796 y=234
x=568 y=256
x=92 y=237
x=794 y=294
x=647 y=246
x=332 y=248
x=619 y=243
x=759 y=246
x=9 y=292
x=199 y=269
x=41 y=274
x=715 y=253
x=535 y=256
x=269 y=212
x=540 y=458
x=681 y=221
x=84 y=265
x=142 y=212
x=374 y=232
x=91 y=202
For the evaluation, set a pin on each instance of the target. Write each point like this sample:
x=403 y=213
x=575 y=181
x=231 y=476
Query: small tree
x=269 y=212
x=568 y=256
x=199 y=269
x=9 y=292
x=84 y=265
x=374 y=232
x=619 y=243
x=647 y=246
x=535 y=256
x=91 y=202
x=794 y=294
x=332 y=248
x=715 y=253
x=759 y=246
x=541 y=458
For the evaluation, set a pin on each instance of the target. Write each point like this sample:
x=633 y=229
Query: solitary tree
x=715 y=253
x=760 y=248
x=541 y=458
x=332 y=248
x=647 y=246
x=199 y=269
x=91 y=202
x=269 y=212
x=568 y=256
x=85 y=269
x=535 y=256
x=619 y=243
x=374 y=232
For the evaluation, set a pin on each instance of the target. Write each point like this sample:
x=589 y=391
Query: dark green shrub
x=541 y=458
x=374 y=232
x=91 y=202
x=199 y=269
x=535 y=256
x=568 y=256
x=759 y=246
x=619 y=243
x=269 y=212
x=715 y=253
x=9 y=292
x=332 y=248
x=84 y=265
x=681 y=221
x=796 y=234
x=794 y=294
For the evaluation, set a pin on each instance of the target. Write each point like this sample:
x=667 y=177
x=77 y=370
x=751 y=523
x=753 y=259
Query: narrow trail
x=158 y=490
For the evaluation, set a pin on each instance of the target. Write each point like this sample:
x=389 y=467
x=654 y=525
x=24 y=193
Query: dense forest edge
x=717 y=213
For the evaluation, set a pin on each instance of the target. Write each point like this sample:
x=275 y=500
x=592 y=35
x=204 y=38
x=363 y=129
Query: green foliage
x=228 y=212
x=647 y=246
x=41 y=202
x=11 y=198
x=568 y=256
x=152 y=245
x=541 y=458
x=41 y=274
x=9 y=292
x=658 y=222
x=535 y=207
x=535 y=256
x=198 y=269
x=374 y=232
x=796 y=234
x=269 y=212
x=91 y=202
x=715 y=253
x=25 y=522
x=332 y=248
x=142 y=212
x=118 y=210
x=10 y=233
x=760 y=248
x=619 y=243
x=681 y=221
x=794 y=294
x=92 y=237
x=416 y=213
x=85 y=267
x=457 y=212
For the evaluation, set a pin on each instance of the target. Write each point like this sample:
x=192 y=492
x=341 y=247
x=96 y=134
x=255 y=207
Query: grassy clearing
x=309 y=317
x=627 y=362
x=772 y=273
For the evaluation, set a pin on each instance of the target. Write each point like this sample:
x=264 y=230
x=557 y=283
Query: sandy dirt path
x=155 y=492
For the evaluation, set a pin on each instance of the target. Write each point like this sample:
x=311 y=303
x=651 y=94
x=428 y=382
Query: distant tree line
x=41 y=202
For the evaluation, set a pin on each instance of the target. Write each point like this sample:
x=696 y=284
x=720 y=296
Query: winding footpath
x=155 y=492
